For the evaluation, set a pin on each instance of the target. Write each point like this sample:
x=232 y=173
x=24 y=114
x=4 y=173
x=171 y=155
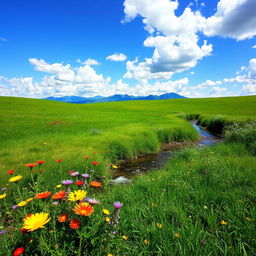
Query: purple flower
x=118 y=205
x=74 y=174
x=92 y=200
x=15 y=207
x=3 y=231
x=55 y=202
x=85 y=175
x=67 y=182
x=3 y=189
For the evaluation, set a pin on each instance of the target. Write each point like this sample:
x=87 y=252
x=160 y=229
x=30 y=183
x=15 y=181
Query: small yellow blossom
x=146 y=241
x=154 y=205
x=248 y=219
x=106 y=211
x=3 y=196
x=58 y=186
x=110 y=254
x=223 y=222
x=159 y=225
x=30 y=199
x=15 y=178
x=114 y=166
x=125 y=237
x=177 y=235
x=107 y=219
x=22 y=203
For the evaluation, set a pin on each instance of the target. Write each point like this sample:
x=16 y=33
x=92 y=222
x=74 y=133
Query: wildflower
x=18 y=251
x=41 y=171
x=154 y=205
x=28 y=215
x=30 y=165
x=74 y=174
x=15 y=178
x=159 y=225
x=3 y=189
x=55 y=203
x=96 y=184
x=95 y=163
x=248 y=219
x=177 y=235
x=15 y=207
x=10 y=172
x=106 y=211
x=92 y=200
x=58 y=186
x=70 y=172
x=223 y=222
x=23 y=230
x=22 y=203
x=40 y=162
x=36 y=221
x=63 y=218
x=84 y=209
x=85 y=175
x=125 y=237
x=67 y=182
x=59 y=160
x=59 y=195
x=77 y=195
x=79 y=182
x=30 y=199
x=3 y=232
x=43 y=195
x=86 y=157
x=107 y=219
x=3 y=196
x=74 y=224
x=110 y=254
x=205 y=207
x=114 y=166
x=146 y=241
x=118 y=205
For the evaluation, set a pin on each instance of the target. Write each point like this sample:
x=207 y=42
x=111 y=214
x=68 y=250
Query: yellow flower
x=3 y=196
x=177 y=235
x=22 y=203
x=107 y=219
x=159 y=225
x=125 y=237
x=15 y=178
x=36 y=221
x=110 y=254
x=30 y=199
x=77 y=195
x=146 y=241
x=58 y=186
x=114 y=166
x=248 y=219
x=106 y=211
x=223 y=222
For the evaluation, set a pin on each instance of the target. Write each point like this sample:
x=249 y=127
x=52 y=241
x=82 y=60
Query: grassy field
x=201 y=203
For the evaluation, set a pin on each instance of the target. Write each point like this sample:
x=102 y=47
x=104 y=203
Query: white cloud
x=207 y=84
x=218 y=91
x=117 y=57
x=90 y=62
x=254 y=46
x=235 y=19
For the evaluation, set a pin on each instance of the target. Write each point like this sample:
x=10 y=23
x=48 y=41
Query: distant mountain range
x=116 y=97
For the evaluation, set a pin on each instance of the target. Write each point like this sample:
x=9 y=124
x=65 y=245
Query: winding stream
x=128 y=169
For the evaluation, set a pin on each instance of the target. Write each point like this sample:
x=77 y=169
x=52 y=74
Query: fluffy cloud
x=235 y=19
x=207 y=84
x=117 y=57
x=90 y=62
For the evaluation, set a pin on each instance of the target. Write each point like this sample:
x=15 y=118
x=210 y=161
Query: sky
x=196 y=48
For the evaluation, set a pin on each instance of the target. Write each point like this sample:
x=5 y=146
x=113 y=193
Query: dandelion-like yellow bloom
x=22 y=203
x=58 y=186
x=146 y=241
x=77 y=195
x=223 y=222
x=36 y=221
x=159 y=225
x=3 y=196
x=125 y=237
x=30 y=199
x=107 y=219
x=106 y=211
x=15 y=178
x=178 y=235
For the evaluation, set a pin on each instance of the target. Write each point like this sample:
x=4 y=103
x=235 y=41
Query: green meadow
x=201 y=203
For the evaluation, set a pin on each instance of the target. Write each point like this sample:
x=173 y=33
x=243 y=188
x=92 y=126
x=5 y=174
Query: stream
x=128 y=169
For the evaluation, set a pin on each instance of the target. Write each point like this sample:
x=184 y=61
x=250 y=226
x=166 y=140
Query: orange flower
x=84 y=209
x=59 y=195
x=30 y=165
x=43 y=195
x=63 y=218
x=59 y=160
x=86 y=157
x=96 y=184
x=74 y=224
x=40 y=162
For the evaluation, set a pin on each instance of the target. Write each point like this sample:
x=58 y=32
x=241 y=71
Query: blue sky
x=140 y=47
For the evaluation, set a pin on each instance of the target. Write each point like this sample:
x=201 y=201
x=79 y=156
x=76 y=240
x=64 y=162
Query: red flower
x=10 y=172
x=74 y=224
x=30 y=165
x=96 y=184
x=18 y=251
x=40 y=162
x=42 y=195
x=59 y=195
x=94 y=152
x=63 y=218
x=95 y=163
x=79 y=182
x=41 y=171
x=70 y=172
x=86 y=157
x=59 y=160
